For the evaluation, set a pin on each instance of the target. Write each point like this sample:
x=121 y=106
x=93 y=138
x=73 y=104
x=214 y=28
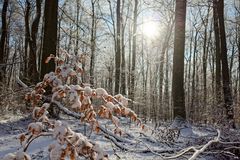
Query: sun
x=150 y=29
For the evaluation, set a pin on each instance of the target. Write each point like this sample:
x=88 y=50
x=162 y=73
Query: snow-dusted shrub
x=68 y=90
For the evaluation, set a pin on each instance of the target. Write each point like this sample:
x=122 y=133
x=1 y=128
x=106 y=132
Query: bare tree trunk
x=77 y=26
x=204 y=59
x=189 y=75
x=166 y=88
x=212 y=67
x=3 y=39
x=134 y=49
x=178 y=60
x=50 y=35
x=118 y=49
x=32 y=63
x=27 y=36
x=129 y=59
x=93 y=43
x=123 y=64
x=12 y=68
x=161 y=69
x=208 y=107
x=197 y=108
x=110 y=78
x=218 y=56
x=193 y=98
x=237 y=10
x=225 y=69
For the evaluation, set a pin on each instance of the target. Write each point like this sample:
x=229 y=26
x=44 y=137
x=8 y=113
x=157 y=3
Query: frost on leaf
x=122 y=99
x=99 y=93
x=35 y=128
x=87 y=91
x=40 y=113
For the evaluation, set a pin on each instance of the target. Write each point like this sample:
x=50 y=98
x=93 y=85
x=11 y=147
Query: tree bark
x=218 y=56
x=50 y=35
x=161 y=69
x=204 y=59
x=27 y=36
x=188 y=110
x=123 y=64
x=118 y=49
x=77 y=26
x=32 y=63
x=166 y=89
x=228 y=100
x=134 y=49
x=3 y=38
x=178 y=60
x=129 y=59
x=193 y=98
x=93 y=44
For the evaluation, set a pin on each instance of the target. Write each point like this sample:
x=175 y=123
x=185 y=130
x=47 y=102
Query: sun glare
x=150 y=30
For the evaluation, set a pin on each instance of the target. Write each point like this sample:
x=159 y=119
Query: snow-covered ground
x=145 y=145
x=11 y=129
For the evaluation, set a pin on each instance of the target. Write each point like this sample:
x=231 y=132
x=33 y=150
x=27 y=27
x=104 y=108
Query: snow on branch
x=201 y=150
x=73 y=98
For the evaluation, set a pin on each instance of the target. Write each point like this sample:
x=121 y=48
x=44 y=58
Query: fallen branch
x=116 y=143
x=199 y=151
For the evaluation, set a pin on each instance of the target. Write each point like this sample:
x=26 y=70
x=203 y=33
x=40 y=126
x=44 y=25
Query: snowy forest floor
x=147 y=144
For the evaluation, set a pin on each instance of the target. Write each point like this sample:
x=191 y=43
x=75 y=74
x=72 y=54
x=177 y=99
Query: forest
x=119 y=79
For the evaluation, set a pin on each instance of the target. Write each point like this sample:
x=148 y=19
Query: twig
x=42 y=134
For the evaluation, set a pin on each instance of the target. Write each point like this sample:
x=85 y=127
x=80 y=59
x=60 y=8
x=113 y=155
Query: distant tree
x=134 y=49
x=178 y=60
x=3 y=38
x=77 y=25
x=162 y=61
x=27 y=35
x=93 y=42
x=205 y=55
x=118 y=49
x=50 y=35
x=123 y=62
